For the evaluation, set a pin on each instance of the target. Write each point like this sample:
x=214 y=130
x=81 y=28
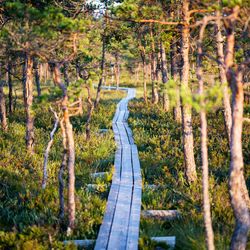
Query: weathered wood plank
x=169 y=240
x=105 y=229
x=118 y=235
x=161 y=214
x=80 y=243
x=134 y=223
x=126 y=170
x=136 y=166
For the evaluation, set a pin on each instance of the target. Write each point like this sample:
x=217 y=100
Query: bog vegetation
x=189 y=62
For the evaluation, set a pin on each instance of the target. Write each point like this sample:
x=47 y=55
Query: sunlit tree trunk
x=117 y=71
x=204 y=150
x=188 y=140
x=3 y=115
x=237 y=185
x=174 y=74
x=28 y=101
x=70 y=148
x=155 y=95
x=37 y=76
x=223 y=78
x=164 y=77
x=10 y=86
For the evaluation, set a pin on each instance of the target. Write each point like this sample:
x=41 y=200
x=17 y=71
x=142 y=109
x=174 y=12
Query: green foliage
x=159 y=142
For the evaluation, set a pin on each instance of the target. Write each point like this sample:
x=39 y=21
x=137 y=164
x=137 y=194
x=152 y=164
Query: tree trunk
x=89 y=116
x=204 y=150
x=28 y=101
x=223 y=79
x=164 y=77
x=10 y=86
x=145 y=95
x=155 y=95
x=174 y=75
x=117 y=71
x=237 y=185
x=188 y=140
x=37 y=76
x=70 y=148
x=66 y=73
x=3 y=116
x=77 y=69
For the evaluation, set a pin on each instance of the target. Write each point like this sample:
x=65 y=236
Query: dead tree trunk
x=70 y=147
x=37 y=76
x=117 y=71
x=3 y=116
x=28 y=101
x=10 y=86
x=237 y=185
x=46 y=154
x=164 y=77
x=223 y=78
x=188 y=140
x=174 y=74
x=204 y=150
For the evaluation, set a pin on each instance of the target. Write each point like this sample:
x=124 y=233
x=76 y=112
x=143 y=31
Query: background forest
x=189 y=63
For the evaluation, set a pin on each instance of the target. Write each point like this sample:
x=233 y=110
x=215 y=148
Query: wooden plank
x=99 y=175
x=127 y=170
x=134 y=223
x=123 y=134
x=136 y=166
x=161 y=214
x=169 y=240
x=118 y=235
x=129 y=133
x=105 y=229
x=80 y=243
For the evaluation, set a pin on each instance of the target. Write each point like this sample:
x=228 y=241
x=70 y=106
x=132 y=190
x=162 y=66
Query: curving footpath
x=120 y=227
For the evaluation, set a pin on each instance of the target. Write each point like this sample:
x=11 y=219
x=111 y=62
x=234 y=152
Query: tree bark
x=66 y=73
x=204 y=150
x=174 y=74
x=188 y=140
x=155 y=95
x=164 y=77
x=70 y=148
x=10 y=86
x=117 y=71
x=3 y=115
x=223 y=78
x=237 y=185
x=89 y=116
x=28 y=101
x=37 y=76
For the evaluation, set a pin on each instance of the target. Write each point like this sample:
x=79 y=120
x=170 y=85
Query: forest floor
x=27 y=223
x=159 y=142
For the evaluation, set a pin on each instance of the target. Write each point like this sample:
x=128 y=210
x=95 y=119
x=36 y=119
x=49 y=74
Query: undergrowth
x=159 y=142
x=28 y=214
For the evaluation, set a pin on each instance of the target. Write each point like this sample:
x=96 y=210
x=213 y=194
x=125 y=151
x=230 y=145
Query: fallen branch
x=46 y=154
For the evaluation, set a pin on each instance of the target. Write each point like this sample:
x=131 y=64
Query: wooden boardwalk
x=120 y=227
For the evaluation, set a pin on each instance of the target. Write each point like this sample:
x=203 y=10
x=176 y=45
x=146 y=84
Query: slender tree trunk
x=188 y=140
x=66 y=73
x=145 y=95
x=155 y=95
x=46 y=154
x=70 y=148
x=117 y=71
x=3 y=115
x=37 y=76
x=174 y=75
x=28 y=101
x=223 y=78
x=237 y=185
x=89 y=116
x=61 y=172
x=164 y=77
x=204 y=151
x=10 y=86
